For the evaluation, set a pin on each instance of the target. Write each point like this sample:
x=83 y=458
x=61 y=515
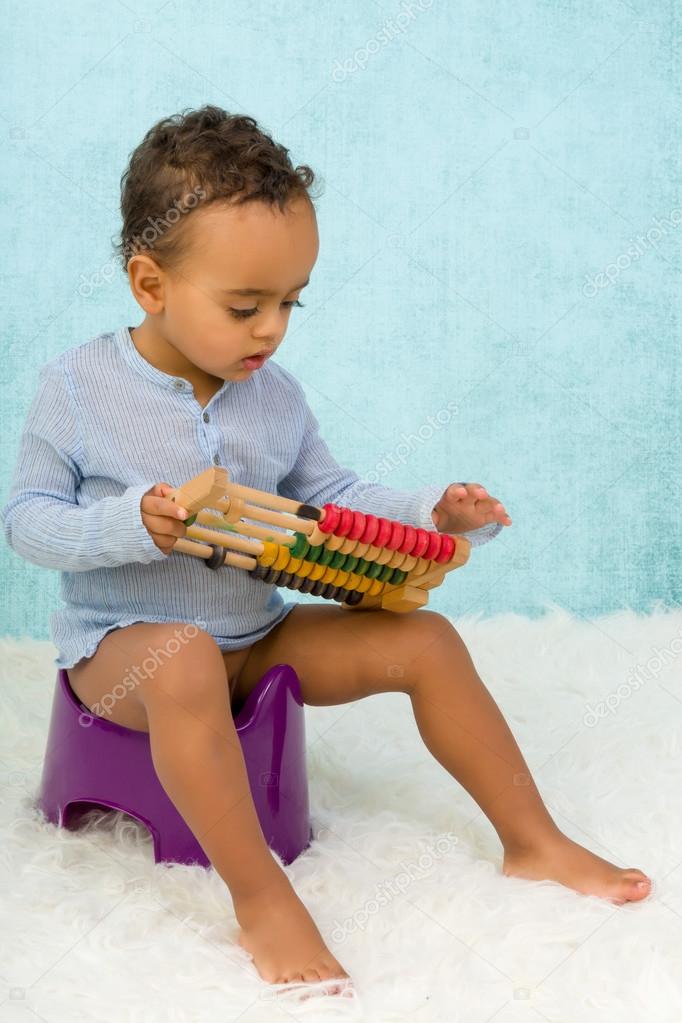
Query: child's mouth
x=254 y=362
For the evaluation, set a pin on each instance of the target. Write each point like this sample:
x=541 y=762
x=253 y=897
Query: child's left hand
x=466 y=506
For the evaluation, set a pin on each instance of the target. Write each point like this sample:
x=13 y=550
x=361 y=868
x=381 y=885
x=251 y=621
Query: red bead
x=397 y=536
x=408 y=540
x=345 y=523
x=433 y=549
x=421 y=543
x=358 y=527
x=330 y=519
x=371 y=529
x=383 y=534
x=447 y=549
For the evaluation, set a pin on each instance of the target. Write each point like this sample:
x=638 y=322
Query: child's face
x=196 y=310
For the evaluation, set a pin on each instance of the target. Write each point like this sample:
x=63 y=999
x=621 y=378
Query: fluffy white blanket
x=404 y=876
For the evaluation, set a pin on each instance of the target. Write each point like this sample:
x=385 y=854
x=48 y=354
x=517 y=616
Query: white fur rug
x=404 y=877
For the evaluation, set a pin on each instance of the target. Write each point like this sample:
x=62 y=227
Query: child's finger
x=160 y=489
x=163 y=506
x=164 y=490
x=162 y=525
x=494 y=511
x=164 y=543
x=457 y=490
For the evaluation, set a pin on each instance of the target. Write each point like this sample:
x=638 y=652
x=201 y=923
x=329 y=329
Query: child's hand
x=162 y=517
x=466 y=506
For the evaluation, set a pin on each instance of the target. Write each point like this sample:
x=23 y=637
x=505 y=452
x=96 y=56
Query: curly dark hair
x=190 y=160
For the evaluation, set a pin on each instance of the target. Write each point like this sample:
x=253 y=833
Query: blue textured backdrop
x=500 y=244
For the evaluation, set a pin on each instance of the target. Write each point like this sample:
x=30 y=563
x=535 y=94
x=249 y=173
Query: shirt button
x=216 y=459
x=205 y=417
x=178 y=385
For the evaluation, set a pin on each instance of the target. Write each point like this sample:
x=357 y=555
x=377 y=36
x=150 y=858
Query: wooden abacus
x=357 y=559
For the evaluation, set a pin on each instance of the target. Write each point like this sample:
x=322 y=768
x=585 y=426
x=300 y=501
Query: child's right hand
x=162 y=517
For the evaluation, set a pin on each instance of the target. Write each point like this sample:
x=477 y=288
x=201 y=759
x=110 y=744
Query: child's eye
x=243 y=314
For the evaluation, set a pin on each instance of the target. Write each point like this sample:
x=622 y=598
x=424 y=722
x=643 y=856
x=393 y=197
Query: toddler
x=219 y=239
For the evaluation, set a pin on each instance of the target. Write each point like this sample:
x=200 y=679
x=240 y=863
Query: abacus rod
x=284 y=504
x=248 y=529
x=199 y=550
x=184 y=546
x=263 y=515
x=225 y=539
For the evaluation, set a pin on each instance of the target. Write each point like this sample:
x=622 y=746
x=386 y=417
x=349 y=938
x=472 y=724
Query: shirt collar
x=174 y=383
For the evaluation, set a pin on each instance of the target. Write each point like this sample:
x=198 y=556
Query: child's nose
x=272 y=326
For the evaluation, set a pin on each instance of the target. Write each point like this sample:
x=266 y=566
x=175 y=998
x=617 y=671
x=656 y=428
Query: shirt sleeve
x=42 y=519
x=316 y=478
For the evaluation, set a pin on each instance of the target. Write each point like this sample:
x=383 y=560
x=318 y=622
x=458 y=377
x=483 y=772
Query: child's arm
x=317 y=478
x=42 y=520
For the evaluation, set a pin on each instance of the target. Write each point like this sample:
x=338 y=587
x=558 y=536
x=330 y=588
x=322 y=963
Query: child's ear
x=146 y=282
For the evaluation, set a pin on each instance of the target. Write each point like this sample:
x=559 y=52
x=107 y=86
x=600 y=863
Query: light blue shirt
x=105 y=426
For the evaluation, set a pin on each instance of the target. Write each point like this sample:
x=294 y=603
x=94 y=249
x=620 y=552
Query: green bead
x=326 y=556
x=313 y=553
x=301 y=546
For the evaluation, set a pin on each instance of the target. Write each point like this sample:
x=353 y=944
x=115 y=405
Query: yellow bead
x=353 y=580
x=270 y=552
x=283 y=558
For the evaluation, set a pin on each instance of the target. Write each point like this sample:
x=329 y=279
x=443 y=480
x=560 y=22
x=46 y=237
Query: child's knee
x=431 y=626
x=166 y=642
x=181 y=661
x=434 y=637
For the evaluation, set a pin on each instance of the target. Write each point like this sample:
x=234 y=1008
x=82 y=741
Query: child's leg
x=184 y=702
x=343 y=655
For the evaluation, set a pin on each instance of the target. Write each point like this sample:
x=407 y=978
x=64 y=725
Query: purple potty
x=91 y=761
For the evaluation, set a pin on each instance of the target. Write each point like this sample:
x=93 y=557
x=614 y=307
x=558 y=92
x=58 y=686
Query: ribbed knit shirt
x=104 y=426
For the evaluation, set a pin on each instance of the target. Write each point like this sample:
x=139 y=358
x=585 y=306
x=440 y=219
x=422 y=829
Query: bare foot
x=560 y=859
x=280 y=934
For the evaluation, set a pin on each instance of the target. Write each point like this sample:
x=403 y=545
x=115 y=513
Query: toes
x=335 y=977
x=638 y=885
x=637 y=876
